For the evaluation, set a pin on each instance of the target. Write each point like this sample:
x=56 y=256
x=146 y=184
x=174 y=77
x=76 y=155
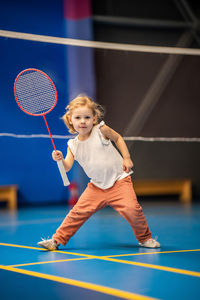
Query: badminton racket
x=36 y=95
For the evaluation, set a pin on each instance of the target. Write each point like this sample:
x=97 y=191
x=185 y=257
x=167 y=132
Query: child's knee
x=134 y=209
x=78 y=213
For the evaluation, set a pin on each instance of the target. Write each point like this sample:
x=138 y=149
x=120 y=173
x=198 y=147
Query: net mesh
x=35 y=93
x=151 y=96
x=149 y=92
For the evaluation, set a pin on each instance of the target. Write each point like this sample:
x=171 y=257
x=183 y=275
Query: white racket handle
x=63 y=173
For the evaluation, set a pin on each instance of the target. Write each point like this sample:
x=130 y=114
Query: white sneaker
x=151 y=243
x=48 y=244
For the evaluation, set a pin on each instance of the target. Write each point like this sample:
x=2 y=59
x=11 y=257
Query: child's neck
x=84 y=137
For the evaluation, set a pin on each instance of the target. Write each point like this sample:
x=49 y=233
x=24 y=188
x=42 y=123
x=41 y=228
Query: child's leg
x=123 y=199
x=90 y=201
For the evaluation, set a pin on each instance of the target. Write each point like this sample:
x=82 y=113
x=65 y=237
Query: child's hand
x=57 y=155
x=127 y=164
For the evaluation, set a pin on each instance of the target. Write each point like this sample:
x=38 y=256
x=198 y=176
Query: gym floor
x=103 y=259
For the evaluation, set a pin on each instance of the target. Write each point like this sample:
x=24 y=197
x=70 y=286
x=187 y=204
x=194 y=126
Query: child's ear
x=95 y=120
x=70 y=120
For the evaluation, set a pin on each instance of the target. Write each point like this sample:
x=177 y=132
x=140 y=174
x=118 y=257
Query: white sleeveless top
x=99 y=158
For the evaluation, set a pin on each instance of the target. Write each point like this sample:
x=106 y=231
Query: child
x=109 y=171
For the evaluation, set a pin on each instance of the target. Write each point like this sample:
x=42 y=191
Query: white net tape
x=97 y=45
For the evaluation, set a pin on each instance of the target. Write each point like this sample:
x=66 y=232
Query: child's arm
x=67 y=162
x=109 y=133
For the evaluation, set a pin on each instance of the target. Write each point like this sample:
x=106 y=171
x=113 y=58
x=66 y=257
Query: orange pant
x=121 y=197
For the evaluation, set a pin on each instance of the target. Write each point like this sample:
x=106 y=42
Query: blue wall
x=28 y=162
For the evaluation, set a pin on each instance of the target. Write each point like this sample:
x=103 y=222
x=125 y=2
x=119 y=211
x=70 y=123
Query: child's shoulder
x=72 y=143
x=102 y=128
x=100 y=125
x=73 y=140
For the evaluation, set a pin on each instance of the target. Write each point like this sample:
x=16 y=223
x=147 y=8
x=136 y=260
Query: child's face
x=83 y=120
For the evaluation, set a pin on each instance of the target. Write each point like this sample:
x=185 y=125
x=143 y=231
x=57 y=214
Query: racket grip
x=63 y=173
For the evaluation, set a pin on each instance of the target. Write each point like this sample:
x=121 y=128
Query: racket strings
x=35 y=93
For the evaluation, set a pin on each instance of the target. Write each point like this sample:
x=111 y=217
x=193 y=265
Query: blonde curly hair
x=82 y=100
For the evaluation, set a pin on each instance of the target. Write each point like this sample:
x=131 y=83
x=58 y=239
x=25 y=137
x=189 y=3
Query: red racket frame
x=59 y=163
x=56 y=94
x=42 y=114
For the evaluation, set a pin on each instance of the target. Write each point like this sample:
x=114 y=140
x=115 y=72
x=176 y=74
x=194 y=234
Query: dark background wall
x=125 y=78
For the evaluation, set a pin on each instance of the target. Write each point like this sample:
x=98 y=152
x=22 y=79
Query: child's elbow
x=68 y=165
x=67 y=168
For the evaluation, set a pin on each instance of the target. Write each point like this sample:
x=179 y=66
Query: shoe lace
x=45 y=239
x=154 y=239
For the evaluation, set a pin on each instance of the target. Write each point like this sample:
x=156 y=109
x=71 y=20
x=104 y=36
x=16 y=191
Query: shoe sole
x=149 y=247
x=43 y=246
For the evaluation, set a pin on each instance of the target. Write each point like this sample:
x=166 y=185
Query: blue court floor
x=103 y=259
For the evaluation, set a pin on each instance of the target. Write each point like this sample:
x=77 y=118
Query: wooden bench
x=8 y=193
x=181 y=187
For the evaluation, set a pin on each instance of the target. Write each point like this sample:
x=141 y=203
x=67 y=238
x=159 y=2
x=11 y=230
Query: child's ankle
x=56 y=242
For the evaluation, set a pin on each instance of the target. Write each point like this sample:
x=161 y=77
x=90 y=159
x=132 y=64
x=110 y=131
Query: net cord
x=128 y=139
x=98 y=45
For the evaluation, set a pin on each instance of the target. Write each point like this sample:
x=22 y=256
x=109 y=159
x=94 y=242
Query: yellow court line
x=139 y=264
x=157 y=267
x=81 y=284
x=37 y=248
x=21 y=246
x=147 y=253
x=48 y=262
x=93 y=256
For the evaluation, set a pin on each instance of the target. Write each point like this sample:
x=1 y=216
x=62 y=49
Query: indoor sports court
x=140 y=60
